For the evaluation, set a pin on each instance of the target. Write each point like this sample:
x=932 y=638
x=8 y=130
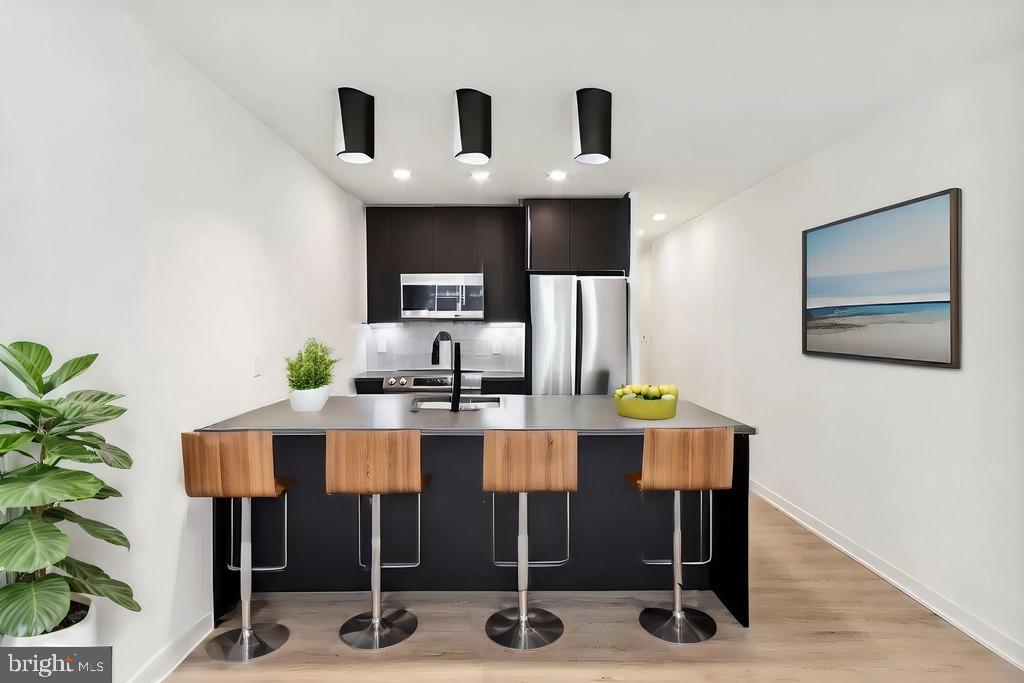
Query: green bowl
x=643 y=409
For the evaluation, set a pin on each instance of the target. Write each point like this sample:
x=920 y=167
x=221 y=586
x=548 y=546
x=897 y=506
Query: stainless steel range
x=435 y=380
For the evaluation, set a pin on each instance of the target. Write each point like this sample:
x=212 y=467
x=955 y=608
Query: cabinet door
x=412 y=239
x=501 y=245
x=547 y=223
x=381 y=287
x=455 y=244
x=599 y=234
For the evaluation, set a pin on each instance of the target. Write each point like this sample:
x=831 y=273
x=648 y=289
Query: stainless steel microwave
x=443 y=296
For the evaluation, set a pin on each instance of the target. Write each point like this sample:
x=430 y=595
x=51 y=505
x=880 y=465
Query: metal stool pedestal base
x=362 y=633
x=540 y=628
x=688 y=625
x=377 y=629
x=252 y=641
x=523 y=627
x=237 y=645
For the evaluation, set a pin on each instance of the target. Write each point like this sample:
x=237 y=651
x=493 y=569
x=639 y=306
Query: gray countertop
x=585 y=414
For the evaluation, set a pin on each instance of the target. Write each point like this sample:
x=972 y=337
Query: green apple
x=619 y=392
x=668 y=397
x=673 y=389
x=654 y=392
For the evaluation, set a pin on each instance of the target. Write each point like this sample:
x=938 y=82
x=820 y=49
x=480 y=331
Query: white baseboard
x=160 y=665
x=964 y=620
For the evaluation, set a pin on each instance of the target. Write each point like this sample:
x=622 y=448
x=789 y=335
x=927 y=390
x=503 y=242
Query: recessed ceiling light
x=557 y=176
x=480 y=176
x=659 y=216
x=401 y=174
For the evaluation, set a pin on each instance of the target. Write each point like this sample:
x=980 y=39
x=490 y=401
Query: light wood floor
x=816 y=615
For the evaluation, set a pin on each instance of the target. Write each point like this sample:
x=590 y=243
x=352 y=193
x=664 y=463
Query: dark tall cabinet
x=382 y=299
x=501 y=248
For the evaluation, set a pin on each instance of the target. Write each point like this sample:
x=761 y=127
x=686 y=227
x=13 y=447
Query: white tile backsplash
x=485 y=346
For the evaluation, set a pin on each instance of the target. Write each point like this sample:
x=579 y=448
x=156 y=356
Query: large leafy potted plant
x=310 y=374
x=46 y=601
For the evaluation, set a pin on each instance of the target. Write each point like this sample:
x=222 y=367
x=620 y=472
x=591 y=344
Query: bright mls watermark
x=82 y=664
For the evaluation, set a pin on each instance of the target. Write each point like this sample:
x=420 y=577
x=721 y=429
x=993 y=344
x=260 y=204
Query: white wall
x=146 y=216
x=916 y=471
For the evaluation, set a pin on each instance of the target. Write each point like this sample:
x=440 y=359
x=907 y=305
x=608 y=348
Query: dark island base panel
x=611 y=527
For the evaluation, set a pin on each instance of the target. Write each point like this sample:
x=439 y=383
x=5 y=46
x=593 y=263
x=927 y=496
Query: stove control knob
x=391 y=381
x=403 y=381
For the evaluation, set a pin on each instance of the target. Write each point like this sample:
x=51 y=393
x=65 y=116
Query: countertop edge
x=587 y=415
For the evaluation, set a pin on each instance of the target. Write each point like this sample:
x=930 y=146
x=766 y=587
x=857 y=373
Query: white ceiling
x=710 y=96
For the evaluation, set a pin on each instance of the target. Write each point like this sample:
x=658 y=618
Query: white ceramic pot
x=82 y=634
x=309 y=400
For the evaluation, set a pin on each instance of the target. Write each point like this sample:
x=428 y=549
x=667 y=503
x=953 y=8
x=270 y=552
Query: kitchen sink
x=444 y=402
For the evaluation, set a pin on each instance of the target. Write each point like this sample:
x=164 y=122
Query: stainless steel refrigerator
x=580 y=334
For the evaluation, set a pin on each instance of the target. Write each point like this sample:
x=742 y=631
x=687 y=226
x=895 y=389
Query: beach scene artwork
x=879 y=285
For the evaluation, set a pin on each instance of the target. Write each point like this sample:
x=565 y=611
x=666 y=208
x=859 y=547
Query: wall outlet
x=257 y=365
x=382 y=346
x=496 y=347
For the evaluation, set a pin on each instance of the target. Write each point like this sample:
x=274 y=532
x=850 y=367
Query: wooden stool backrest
x=374 y=461
x=687 y=459
x=525 y=461
x=228 y=464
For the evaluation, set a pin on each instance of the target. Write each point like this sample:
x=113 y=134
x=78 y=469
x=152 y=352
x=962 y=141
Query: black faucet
x=456 y=377
x=435 y=351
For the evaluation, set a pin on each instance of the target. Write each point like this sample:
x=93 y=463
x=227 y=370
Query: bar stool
x=376 y=463
x=683 y=460
x=525 y=462
x=237 y=465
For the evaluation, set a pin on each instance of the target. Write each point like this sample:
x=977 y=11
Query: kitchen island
x=604 y=529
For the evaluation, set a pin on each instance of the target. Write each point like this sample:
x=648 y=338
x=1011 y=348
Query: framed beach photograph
x=885 y=285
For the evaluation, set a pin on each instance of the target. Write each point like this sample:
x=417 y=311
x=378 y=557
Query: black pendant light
x=353 y=126
x=471 y=136
x=592 y=126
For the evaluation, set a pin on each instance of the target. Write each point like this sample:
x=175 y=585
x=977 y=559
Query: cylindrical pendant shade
x=353 y=126
x=471 y=136
x=592 y=126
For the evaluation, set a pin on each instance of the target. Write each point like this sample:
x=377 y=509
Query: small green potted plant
x=47 y=601
x=310 y=374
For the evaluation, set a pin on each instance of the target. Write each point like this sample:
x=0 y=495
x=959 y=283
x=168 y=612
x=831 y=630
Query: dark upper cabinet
x=578 y=235
x=547 y=226
x=455 y=242
x=382 y=303
x=412 y=239
x=446 y=240
x=501 y=247
x=599 y=234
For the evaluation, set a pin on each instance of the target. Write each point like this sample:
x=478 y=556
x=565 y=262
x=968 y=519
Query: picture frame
x=884 y=285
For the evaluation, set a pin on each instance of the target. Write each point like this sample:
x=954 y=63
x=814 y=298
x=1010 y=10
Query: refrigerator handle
x=529 y=237
x=577 y=355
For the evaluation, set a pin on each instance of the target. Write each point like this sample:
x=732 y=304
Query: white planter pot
x=309 y=400
x=82 y=634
